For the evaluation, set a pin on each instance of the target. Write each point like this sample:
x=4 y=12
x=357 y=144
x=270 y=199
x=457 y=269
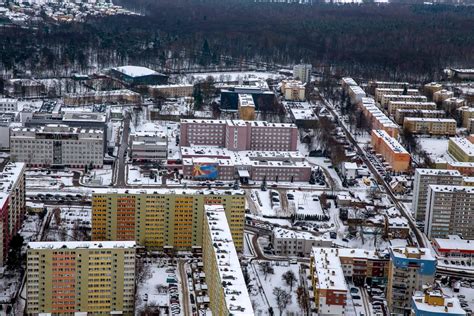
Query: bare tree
x=283 y=298
x=289 y=277
x=57 y=216
x=303 y=299
x=143 y=271
x=266 y=269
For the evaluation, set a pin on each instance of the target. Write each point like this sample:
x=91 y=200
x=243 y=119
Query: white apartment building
x=8 y=105
x=290 y=243
x=302 y=72
x=293 y=90
x=449 y=211
x=425 y=177
x=148 y=146
x=57 y=145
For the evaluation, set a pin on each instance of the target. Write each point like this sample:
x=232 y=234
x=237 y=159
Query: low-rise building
x=171 y=91
x=391 y=150
x=463 y=73
x=430 y=88
x=466 y=113
x=137 y=75
x=461 y=149
x=465 y=168
x=364 y=266
x=123 y=96
x=393 y=106
x=409 y=270
x=449 y=211
x=8 y=105
x=57 y=145
x=293 y=90
x=328 y=282
x=356 y=94
x=431 y=126
x=386 y=98
x=441 y=95
x=246 y=107
x=425 y=177
x=434 y=303
x=287 y=242
x=148 y=146
x=349 y=170
x=400 y=114
x=67 y=278
x=379 y=92
x=373 y=84
x=453 y=247
x=451 y=104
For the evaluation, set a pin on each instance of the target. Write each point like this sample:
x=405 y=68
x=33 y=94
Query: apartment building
x=57 y=145
x=68 y=278
x=379 y=92
x=246 y=107
x=391 y=150
x=431 y=126
x=364 y=266
x=8 y=105
x=302 y=72
x=430 y=88
x=328 y=282
x=227 y=288
x=449 y=211
x=346 y=82
x=441 y=95
x=401 y=114
x=171 y=91
x=123 y=96
x=162 y=219
x=461 y=149
x=426 y=177
x=386 y=98
x=373 y=84
x=238 y=135
x=432 y=302
x=356 y=94
x=148 y=146
x=290 y=243
x=377 y=118
x=293 y=90
x=409 y=270
x=465 y=113
x=451 y=104
x=393 y=106
x=465 y=168
x=12 y=205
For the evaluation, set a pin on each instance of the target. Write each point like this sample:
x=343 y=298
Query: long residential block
x=391 y=150
x=431 y=126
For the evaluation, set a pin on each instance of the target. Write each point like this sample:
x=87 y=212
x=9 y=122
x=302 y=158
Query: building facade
x=287 y=242
x=364 y=266
x=386 y=98
x=377 y=118
x=148 y=146
x=64 y=278
x=162 y=219
x=246 y=107
x=302 y=72
x=57 y=145
x=391 y=150
x=461 y=149
x=401 y=114
x=449 y=211
x=293 y=90
x=426 y=177
x=410 y=268
x=8 y=105
x=431 y=126
x=393 y=106
x=171 y=91
x=12 y=205
x=227 y=288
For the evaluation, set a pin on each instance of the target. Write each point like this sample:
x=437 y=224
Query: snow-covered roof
x=450 y=305
x=390 y=141
x=440 y=172
x=291 y=234
x=464 y=144
x=451 y=188
x=235 y=289
x=10 y=175
x=136 y=71
x=412 y=252
x=167 y=191
x=81 y=244
x=430 y=119
x=328 y=269
x=350 y=166
x=454 y=242
x=359 y=253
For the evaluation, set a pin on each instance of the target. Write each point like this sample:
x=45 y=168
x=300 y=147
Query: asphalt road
x=121 y=159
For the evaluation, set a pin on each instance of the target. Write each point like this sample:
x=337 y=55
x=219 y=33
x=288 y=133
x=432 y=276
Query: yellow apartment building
x=432 y=126
x=95 y=278
x=227 y=288
x=461 y=149
x=393 y=106
x=163 y=219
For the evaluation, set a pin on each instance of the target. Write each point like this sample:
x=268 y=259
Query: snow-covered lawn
x=99 y=177
x=436 y=148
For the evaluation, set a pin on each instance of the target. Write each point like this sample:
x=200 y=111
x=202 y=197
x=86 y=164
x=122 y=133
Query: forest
x=392 y=42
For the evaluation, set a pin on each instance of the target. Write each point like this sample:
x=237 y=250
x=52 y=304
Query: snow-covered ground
x=436 y=148
x=98 y=177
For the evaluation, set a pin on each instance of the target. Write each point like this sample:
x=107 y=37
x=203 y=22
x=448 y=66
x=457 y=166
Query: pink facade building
x=238 y=135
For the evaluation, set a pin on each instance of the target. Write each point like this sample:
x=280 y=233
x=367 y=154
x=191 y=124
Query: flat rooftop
x=328 y=269
x=163 y=191
x=81 y=244
x=454 y=242
x=390 y=141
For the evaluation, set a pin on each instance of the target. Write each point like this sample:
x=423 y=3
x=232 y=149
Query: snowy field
x=435 y=148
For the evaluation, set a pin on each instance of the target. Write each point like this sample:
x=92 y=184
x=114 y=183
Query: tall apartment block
x=302 y=72
x=57 y=145
x=238 y=135
x=328 y=282
x=162 y=219
x=12 y=205
x=449 y=211
x=94 y=278
x=409 y=270
x=227 y=288
x=425 y=177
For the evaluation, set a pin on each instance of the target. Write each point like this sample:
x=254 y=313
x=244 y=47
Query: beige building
x=461 y=149
x=386 y=98
x=393 y=106
x=401 y=114
x=451 y=104
x=68 y=278
x=227 y=288
x=293 y=90
x=296 y=244
x=449 y=211
x=430 y=88
x=432 y=126
x=441 y=95
x=162 y=219
x=123 y=96
x=171 y=91
x=246 y=107
x=379 y=92
x=466 y=113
